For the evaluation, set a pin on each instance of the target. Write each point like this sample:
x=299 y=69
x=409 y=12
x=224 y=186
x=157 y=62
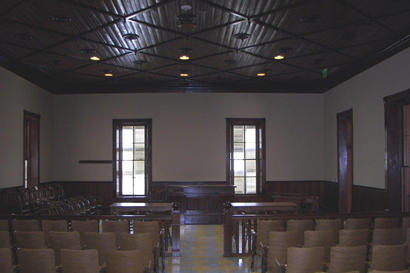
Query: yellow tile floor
x=202 y=252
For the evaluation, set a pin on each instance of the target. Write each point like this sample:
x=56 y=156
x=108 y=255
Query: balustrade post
x=176 y=215
x=228 y=229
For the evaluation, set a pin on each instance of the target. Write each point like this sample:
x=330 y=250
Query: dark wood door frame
x=345 y=159
x=31 y=148
x=393 y=113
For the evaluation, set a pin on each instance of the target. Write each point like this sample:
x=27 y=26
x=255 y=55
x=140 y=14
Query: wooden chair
x=305 y=260
x=29 y=239
x=348 y=258
x=53 y=225
x=354 y=237
x=64 y=240
x=263 y=227
x=103 y=242
x=358 y=223
x=125 y=261
x=321 y=238
x=142 y=242
x=329 y=224
x=5 y=241
x=79 y=261
x=391 y=258
x=300 y=226
x=6 y=260
x=84 y=226
x=4 y=225
x=390 y=236
x=149 y=226
x=26 y=225
x=117 y=227
x=36 y=260
x=279 y=242
x=386 y=222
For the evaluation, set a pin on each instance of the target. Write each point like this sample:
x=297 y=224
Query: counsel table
x=263 y=207
x=166 y=209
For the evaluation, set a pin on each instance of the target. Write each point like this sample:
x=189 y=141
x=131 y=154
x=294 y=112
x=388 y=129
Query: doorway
x=31 y=148
x=345 y=159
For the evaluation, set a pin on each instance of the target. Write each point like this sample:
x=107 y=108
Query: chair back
x=148 y=226
x=6 y=260
x=103 y=242
x=390 y=236
x=79 y=261
x=139 y=241
x=300 y=226
x=386 y=222
x=84 y=226
x=279 y=242
x=305 y=260
x=358 y=223
x=389 y=257
x=354 y=237
x=263 y=227
x=4 y=224
x=124 y=261
x=348 y=258
x=116 y=226
x=53 y=225
x=328 y=224
x=29 y=239
x=64 y=240
x=25 y=225
x=5 y=239
x=36 y=260
x=321 y=238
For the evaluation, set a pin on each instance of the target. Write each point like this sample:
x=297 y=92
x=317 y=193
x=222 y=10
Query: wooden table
x=166 y=209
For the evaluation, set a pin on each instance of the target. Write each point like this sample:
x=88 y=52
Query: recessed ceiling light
x=184 y=57
x=261 y=74
x=130 y=36
x=279 y=57
x=95 y=58
x=108 y=74
x=184 y=74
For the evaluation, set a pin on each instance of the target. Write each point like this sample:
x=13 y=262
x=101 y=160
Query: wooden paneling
x=367 y=199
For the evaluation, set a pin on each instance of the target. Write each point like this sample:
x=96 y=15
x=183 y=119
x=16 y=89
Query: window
x=31 y=148
x=132 y=157
x=246 y=155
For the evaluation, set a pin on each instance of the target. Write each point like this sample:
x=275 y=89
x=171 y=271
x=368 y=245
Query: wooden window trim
x=260 y=160
x=148 y=154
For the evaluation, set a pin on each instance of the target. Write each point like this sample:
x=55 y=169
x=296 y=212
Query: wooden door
x=345 y=159
x=31 y=164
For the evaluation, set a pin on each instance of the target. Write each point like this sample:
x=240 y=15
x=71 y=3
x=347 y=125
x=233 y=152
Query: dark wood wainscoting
x=365 y=199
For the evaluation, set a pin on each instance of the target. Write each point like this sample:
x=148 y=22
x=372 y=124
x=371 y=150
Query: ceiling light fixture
x=108 y=74
x=184 y=74
x=261 y=74
x=184 y=57
x=95 y=58
x=241 y=36
x=279 y=57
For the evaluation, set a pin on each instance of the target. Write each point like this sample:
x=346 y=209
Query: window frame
x=260 y=152
x=147 y=123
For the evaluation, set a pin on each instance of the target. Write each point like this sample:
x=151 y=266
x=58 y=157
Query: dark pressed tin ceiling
x=49 y=42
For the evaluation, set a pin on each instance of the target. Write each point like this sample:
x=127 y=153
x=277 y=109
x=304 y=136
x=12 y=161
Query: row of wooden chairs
x=72 y=261
x=31 y=234
x=344 y=259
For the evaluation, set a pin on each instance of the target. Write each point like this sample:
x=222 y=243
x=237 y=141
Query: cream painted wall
x=364 y=93
x=17 y=95
x=188 y=133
